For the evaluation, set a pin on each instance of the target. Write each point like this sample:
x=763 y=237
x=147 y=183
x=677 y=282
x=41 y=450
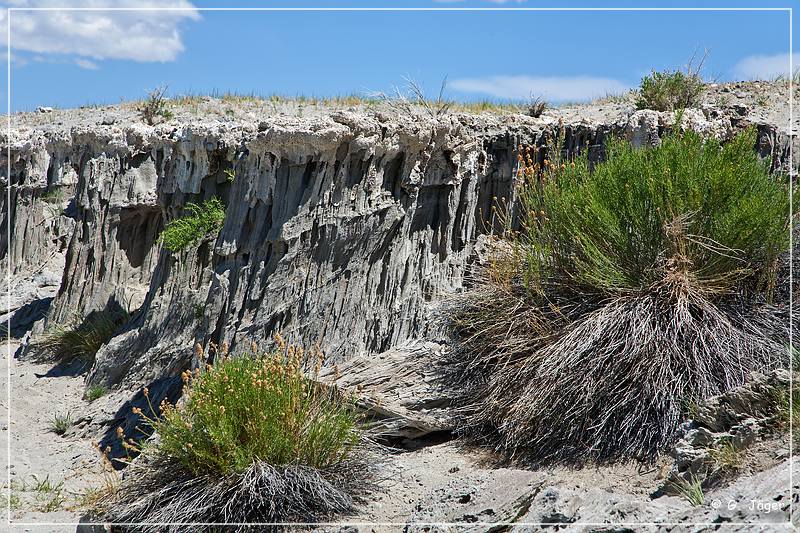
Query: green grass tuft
x=727 y=457
x=200 y=221
x=60 y=423
x=690 y=490
x=95 y=392
x=53 y=196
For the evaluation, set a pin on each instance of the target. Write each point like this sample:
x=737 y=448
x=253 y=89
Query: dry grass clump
x=634 y=287
x=78 y=339
x=253 y=441
x=413 y=98
x=155 y=108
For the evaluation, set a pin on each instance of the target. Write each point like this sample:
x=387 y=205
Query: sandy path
x=49 y=473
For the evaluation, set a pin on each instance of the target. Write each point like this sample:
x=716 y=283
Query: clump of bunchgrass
x=649 y=275
x=48 y=495
x=200 y=221
x=78 y=339
x=61 y=422
x=727 y=457
x=690 y=490
x=536 y=106
x=95 y=392
x=412 y=98
x=255 y=439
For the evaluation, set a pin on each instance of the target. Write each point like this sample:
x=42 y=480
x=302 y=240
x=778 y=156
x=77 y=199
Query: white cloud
x=91 y=36
x=553 y=88
x=85 y=63
x=765 y=67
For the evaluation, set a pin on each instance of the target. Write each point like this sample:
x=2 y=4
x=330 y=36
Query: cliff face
x=342 y=229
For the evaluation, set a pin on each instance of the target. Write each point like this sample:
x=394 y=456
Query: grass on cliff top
x=669 y=90
x=200 y=221
x=648 y=275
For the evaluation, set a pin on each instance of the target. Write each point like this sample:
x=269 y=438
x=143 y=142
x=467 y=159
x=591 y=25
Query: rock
x=746 y=432
x=755 y=399
x=737 y=418
x=44 y=109
x=643 y=128
x=86 y=525
x=108 y=120
x=400 y=387
x=699 y=437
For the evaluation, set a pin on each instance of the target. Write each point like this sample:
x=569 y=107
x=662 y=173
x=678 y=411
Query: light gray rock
x=737 y=418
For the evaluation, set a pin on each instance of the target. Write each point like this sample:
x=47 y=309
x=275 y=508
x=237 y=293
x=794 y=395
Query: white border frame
x=9 y=356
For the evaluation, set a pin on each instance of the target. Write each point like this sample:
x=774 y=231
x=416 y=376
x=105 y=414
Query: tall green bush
x=691 y=208
x=637 y=284
x=254 y=440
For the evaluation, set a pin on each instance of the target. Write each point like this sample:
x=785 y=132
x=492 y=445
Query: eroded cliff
x=343 y=228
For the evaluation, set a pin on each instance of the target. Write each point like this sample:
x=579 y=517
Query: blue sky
x=65 y=59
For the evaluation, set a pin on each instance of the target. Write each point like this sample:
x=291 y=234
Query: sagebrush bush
x=200 y=221
x=635 y=286
x=669 y=90
x=253 y=440
x=79 y=339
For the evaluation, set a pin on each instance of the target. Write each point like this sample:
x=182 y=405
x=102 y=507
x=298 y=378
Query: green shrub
x=201 y=220
x=95 y=392
x=255 y=440
x=689 y=209
x=669 y=90
x=247 y=409
x=79 y=339
x=53 y=196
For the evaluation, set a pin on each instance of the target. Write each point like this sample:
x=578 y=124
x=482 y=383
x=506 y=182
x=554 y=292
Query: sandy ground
x=50 y=474
x=438 y=482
